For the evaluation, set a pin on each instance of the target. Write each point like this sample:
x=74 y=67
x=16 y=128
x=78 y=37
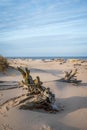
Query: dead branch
x=43 y=97
x=71 y=77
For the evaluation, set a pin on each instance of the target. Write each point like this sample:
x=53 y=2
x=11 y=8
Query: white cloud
x=40 y=22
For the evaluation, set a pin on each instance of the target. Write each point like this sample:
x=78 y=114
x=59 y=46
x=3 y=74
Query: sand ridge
x=74 y=98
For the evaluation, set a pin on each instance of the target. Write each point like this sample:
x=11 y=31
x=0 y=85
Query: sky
x=43 y=28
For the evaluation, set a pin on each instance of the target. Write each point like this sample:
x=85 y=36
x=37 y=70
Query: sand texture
x=73 y=97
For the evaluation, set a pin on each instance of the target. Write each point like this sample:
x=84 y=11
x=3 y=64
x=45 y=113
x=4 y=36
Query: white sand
x=74 y=98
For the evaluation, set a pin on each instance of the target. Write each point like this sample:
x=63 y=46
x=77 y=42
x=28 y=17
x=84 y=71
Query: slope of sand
x=74 y=98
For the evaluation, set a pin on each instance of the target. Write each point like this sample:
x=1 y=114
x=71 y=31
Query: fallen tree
x=42 y=97
x=70 y=77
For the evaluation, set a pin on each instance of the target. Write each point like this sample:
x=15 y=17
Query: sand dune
x=74 y=98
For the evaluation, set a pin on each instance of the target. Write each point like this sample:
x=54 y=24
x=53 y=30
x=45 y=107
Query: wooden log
x=70 y=77
x=42 y=97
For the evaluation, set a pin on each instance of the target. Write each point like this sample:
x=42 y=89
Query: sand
x=72 y=97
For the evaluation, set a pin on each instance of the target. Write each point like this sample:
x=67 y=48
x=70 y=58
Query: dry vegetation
x=3 y=64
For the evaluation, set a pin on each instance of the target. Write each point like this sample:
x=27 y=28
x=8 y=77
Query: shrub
x=3 y=63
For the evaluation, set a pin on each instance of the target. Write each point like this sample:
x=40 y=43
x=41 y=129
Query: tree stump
x=70 y=77
x=43 y=98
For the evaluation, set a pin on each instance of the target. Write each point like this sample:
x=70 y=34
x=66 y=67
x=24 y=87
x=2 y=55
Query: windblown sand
x=74 y=98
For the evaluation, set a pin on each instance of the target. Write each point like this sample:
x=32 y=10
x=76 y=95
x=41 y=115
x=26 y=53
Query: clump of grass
x=3 y=64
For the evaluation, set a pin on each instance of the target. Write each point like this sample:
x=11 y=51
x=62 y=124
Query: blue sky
x=43 y=27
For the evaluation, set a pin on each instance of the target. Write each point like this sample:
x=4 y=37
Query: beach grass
x=3 y=64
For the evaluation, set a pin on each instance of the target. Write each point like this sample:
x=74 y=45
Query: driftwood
x=70 y=77
x=43 y=97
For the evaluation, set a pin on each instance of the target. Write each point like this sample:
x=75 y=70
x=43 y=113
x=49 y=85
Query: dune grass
x=3 y=64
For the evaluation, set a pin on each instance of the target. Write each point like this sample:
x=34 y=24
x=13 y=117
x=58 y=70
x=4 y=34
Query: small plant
x=3 y=64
